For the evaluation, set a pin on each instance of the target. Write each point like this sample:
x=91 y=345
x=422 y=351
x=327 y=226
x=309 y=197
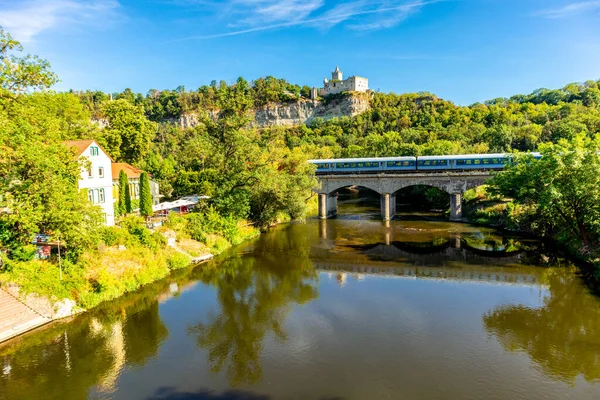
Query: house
x=133 y=175
x=97 y=176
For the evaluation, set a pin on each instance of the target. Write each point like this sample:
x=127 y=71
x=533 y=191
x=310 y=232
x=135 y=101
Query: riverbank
x=127 y=258
x=483 y=210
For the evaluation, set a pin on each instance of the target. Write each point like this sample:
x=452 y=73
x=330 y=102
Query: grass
x=131 y=256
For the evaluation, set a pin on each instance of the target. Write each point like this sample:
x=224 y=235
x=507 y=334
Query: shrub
x=178 y=260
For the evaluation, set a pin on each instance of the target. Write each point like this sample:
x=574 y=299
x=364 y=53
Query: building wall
x=98 y=181
x=134 y=190
x=354 y=83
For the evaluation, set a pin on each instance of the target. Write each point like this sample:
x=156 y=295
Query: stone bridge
x=454 y=183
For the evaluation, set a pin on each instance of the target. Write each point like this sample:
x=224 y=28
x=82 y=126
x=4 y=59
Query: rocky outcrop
x=296 y=113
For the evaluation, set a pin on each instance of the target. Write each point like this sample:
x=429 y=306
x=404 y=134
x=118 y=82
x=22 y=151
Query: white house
x=97 y=179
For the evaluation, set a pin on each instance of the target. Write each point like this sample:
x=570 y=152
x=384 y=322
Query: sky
x=464 y=51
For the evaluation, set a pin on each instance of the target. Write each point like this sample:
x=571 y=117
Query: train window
x=361 y=165
x=339 y=165
x=406 y=163
x=322 y=166
x=486 y=161
x=353 y=165
x=469 y=162
x=427 y=162
x=412 y=163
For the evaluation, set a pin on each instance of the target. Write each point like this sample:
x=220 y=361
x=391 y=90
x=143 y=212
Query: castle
x=337 y=85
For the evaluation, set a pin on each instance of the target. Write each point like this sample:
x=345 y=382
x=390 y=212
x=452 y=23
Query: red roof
x=82 y=145
x=130 y=170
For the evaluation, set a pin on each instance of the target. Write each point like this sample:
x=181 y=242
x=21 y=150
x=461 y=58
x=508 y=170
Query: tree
x=19 y=74
x=562 y=189
x=129 y=133
x=145 y=196
x=124 y=200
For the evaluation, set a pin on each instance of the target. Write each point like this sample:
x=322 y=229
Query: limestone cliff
x=299 y=112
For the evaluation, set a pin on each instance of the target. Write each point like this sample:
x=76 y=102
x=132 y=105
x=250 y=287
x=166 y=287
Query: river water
x=351 y=308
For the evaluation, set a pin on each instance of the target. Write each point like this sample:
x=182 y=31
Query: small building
x=96 y=177
x=133 y=176
x=338 y=85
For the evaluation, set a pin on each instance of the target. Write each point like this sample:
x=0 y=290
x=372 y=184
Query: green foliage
x=145 y=196
x=124 y=200
x=560 y=191
x=128 y=135
x=178 y=261
x=19 y=74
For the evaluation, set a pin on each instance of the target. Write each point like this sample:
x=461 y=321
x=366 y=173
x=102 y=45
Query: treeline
x=164 y=104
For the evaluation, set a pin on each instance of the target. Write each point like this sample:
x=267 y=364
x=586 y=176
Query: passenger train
x=465 y=162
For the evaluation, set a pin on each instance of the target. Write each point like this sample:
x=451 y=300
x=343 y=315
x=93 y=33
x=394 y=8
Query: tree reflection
x=255 y=293
x=66 y=360
x=562 y=337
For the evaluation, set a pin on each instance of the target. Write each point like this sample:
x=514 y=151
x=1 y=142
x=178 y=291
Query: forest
x=260 y=175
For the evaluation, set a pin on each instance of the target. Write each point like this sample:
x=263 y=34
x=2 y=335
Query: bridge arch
x=387 y=185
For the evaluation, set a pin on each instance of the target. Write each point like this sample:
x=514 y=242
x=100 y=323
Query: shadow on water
x=168 y=393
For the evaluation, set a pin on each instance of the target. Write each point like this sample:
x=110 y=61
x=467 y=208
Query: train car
x=399 y=164
x=365 y=165
x=463 y=162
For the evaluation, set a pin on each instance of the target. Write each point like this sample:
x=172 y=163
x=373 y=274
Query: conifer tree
x=145 y=196
x=124 y=200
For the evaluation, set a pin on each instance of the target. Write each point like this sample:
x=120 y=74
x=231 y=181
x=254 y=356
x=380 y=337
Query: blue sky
x=462 y=50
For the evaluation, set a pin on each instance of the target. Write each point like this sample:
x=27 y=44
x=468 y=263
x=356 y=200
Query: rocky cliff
x=297 y=113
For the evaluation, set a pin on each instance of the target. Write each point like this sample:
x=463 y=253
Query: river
x=351 y=308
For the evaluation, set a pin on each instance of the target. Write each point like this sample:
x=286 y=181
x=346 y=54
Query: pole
x=59 y=260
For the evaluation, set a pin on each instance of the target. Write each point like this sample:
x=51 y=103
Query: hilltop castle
x=337 y=85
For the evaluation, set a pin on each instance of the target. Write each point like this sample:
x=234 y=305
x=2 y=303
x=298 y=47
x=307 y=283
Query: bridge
x=386 y=185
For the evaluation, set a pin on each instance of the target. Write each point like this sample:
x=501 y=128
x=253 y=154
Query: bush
x=23 y=253
x=178 y=260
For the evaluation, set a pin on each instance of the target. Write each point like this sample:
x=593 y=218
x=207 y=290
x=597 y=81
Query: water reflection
x=255 y=293
x=562 y=337
x=359 y=332
x=65 y=360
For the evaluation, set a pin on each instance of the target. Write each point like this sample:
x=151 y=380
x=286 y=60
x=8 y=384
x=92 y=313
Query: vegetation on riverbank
x=253 y=176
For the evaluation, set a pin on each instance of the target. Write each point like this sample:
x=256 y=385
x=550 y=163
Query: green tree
x=19 y=74
x=124 y=200
x=129 y=133
x=145 y=196
x=562 y=189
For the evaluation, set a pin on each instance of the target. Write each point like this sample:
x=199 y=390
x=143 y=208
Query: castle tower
x=337 y=74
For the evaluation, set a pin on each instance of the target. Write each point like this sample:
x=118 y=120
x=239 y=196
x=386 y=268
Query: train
x=394 y=165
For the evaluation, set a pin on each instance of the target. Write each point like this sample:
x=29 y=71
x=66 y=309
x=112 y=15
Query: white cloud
x=261 y=15
x=571 y=9
x=27 y=19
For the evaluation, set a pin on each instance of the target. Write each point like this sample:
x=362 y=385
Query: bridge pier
x=455 y=206
x=327 y=205
x=388 y=206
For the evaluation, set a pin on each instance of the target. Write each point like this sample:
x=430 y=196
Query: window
x=476 y=162
x=101 y=196
x=486 y=161
x=101 y=172
x=90 y=175
x=94 y=151
x=91 y=195
x=322 y=166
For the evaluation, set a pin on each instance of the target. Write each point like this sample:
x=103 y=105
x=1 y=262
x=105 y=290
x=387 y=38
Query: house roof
x=82 y=145
x=130 y=170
